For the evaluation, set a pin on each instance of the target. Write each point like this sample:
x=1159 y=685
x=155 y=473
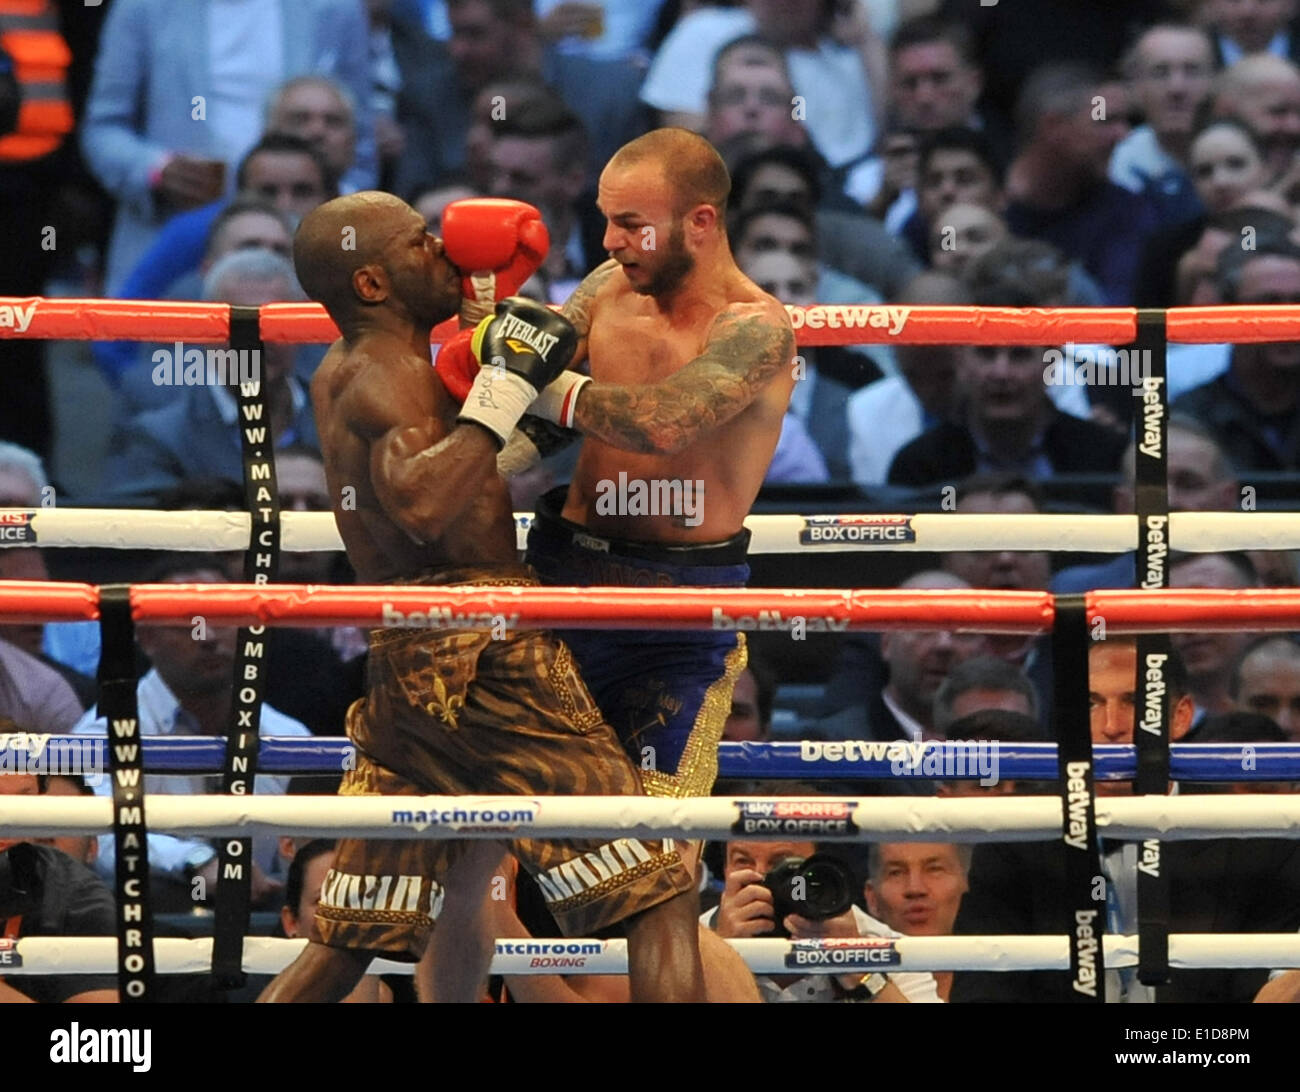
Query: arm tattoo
x=747 y=347
x=578 y=307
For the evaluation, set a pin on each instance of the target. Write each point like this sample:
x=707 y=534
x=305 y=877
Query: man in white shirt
x=189 y=691
x=837 y=68
x=178 y=95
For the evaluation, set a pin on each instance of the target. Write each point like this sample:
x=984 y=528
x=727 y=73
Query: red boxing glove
x=457 y=365
x=497 y=244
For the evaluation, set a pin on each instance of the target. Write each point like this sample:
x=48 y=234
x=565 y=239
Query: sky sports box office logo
x=836 y=530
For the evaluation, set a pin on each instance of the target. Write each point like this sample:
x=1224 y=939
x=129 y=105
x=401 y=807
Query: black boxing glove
x=520 y=350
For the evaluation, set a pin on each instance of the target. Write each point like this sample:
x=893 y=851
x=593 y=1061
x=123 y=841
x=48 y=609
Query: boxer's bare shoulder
x=690 y=371
x=378 y=408
x=580 y=308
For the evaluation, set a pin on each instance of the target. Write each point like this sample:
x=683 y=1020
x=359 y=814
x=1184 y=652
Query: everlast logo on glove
x=515 y=330
x=523 y=348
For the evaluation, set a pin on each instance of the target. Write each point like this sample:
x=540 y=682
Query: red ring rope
x=819 y=324
x=660 y=608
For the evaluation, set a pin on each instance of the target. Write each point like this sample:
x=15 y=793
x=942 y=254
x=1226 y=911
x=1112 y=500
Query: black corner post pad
x=1084 y=885
x=1151 y=734
x=1151 y=730
x=245 y=327
x=261 y=566
x=117 y=705
x=1151 y=422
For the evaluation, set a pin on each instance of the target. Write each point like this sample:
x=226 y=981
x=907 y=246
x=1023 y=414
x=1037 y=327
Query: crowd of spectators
x=883 y=153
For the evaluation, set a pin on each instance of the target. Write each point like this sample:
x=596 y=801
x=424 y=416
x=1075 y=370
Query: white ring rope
x=1201 y=532
x=270 y=955
x=830 y=818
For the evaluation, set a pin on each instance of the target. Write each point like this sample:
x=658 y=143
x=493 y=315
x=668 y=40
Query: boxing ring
x=1152 y=762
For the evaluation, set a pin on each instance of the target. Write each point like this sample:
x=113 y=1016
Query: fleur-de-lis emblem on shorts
x=446 y=707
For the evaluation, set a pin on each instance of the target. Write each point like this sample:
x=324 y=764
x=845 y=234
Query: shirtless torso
x=717 y=424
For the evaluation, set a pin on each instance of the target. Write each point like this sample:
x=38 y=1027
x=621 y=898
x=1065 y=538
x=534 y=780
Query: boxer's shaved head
x=339 y=236
x=342 y=246
x=691 y=166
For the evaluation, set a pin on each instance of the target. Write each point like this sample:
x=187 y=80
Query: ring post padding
x=117 y=705
x=1084 y=924
x=1151 y=729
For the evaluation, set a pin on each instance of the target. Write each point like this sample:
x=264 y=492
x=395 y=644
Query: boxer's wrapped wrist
x=519 y=455
x=497 y=400
x=558 y=402
x=475 y=308
x=532 y=441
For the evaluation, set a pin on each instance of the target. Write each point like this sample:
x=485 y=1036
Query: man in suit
x=884 y=686
x=1241 y=29
x=180 y=88
x=195 y=433
x=1010 y=424
x=492 y=40
x=1253 y=409
x=1215 y=886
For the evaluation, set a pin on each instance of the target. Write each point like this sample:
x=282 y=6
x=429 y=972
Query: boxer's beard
x=677 y=263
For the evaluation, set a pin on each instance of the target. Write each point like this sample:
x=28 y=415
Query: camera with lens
x=816 y=887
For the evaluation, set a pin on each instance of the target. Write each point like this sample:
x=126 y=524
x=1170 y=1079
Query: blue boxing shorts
x=667 y=694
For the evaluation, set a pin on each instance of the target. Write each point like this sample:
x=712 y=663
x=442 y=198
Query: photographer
x=749 y=906
x=45 y=893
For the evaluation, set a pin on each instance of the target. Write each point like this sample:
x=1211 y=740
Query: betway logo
x=17 y=317
x=834 y=317
x=1153 y=695
x=445 y=618
x=1077 y=794
x=1086 y=944
x=774 y=619
x=1153 y=414
x=853 y=750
